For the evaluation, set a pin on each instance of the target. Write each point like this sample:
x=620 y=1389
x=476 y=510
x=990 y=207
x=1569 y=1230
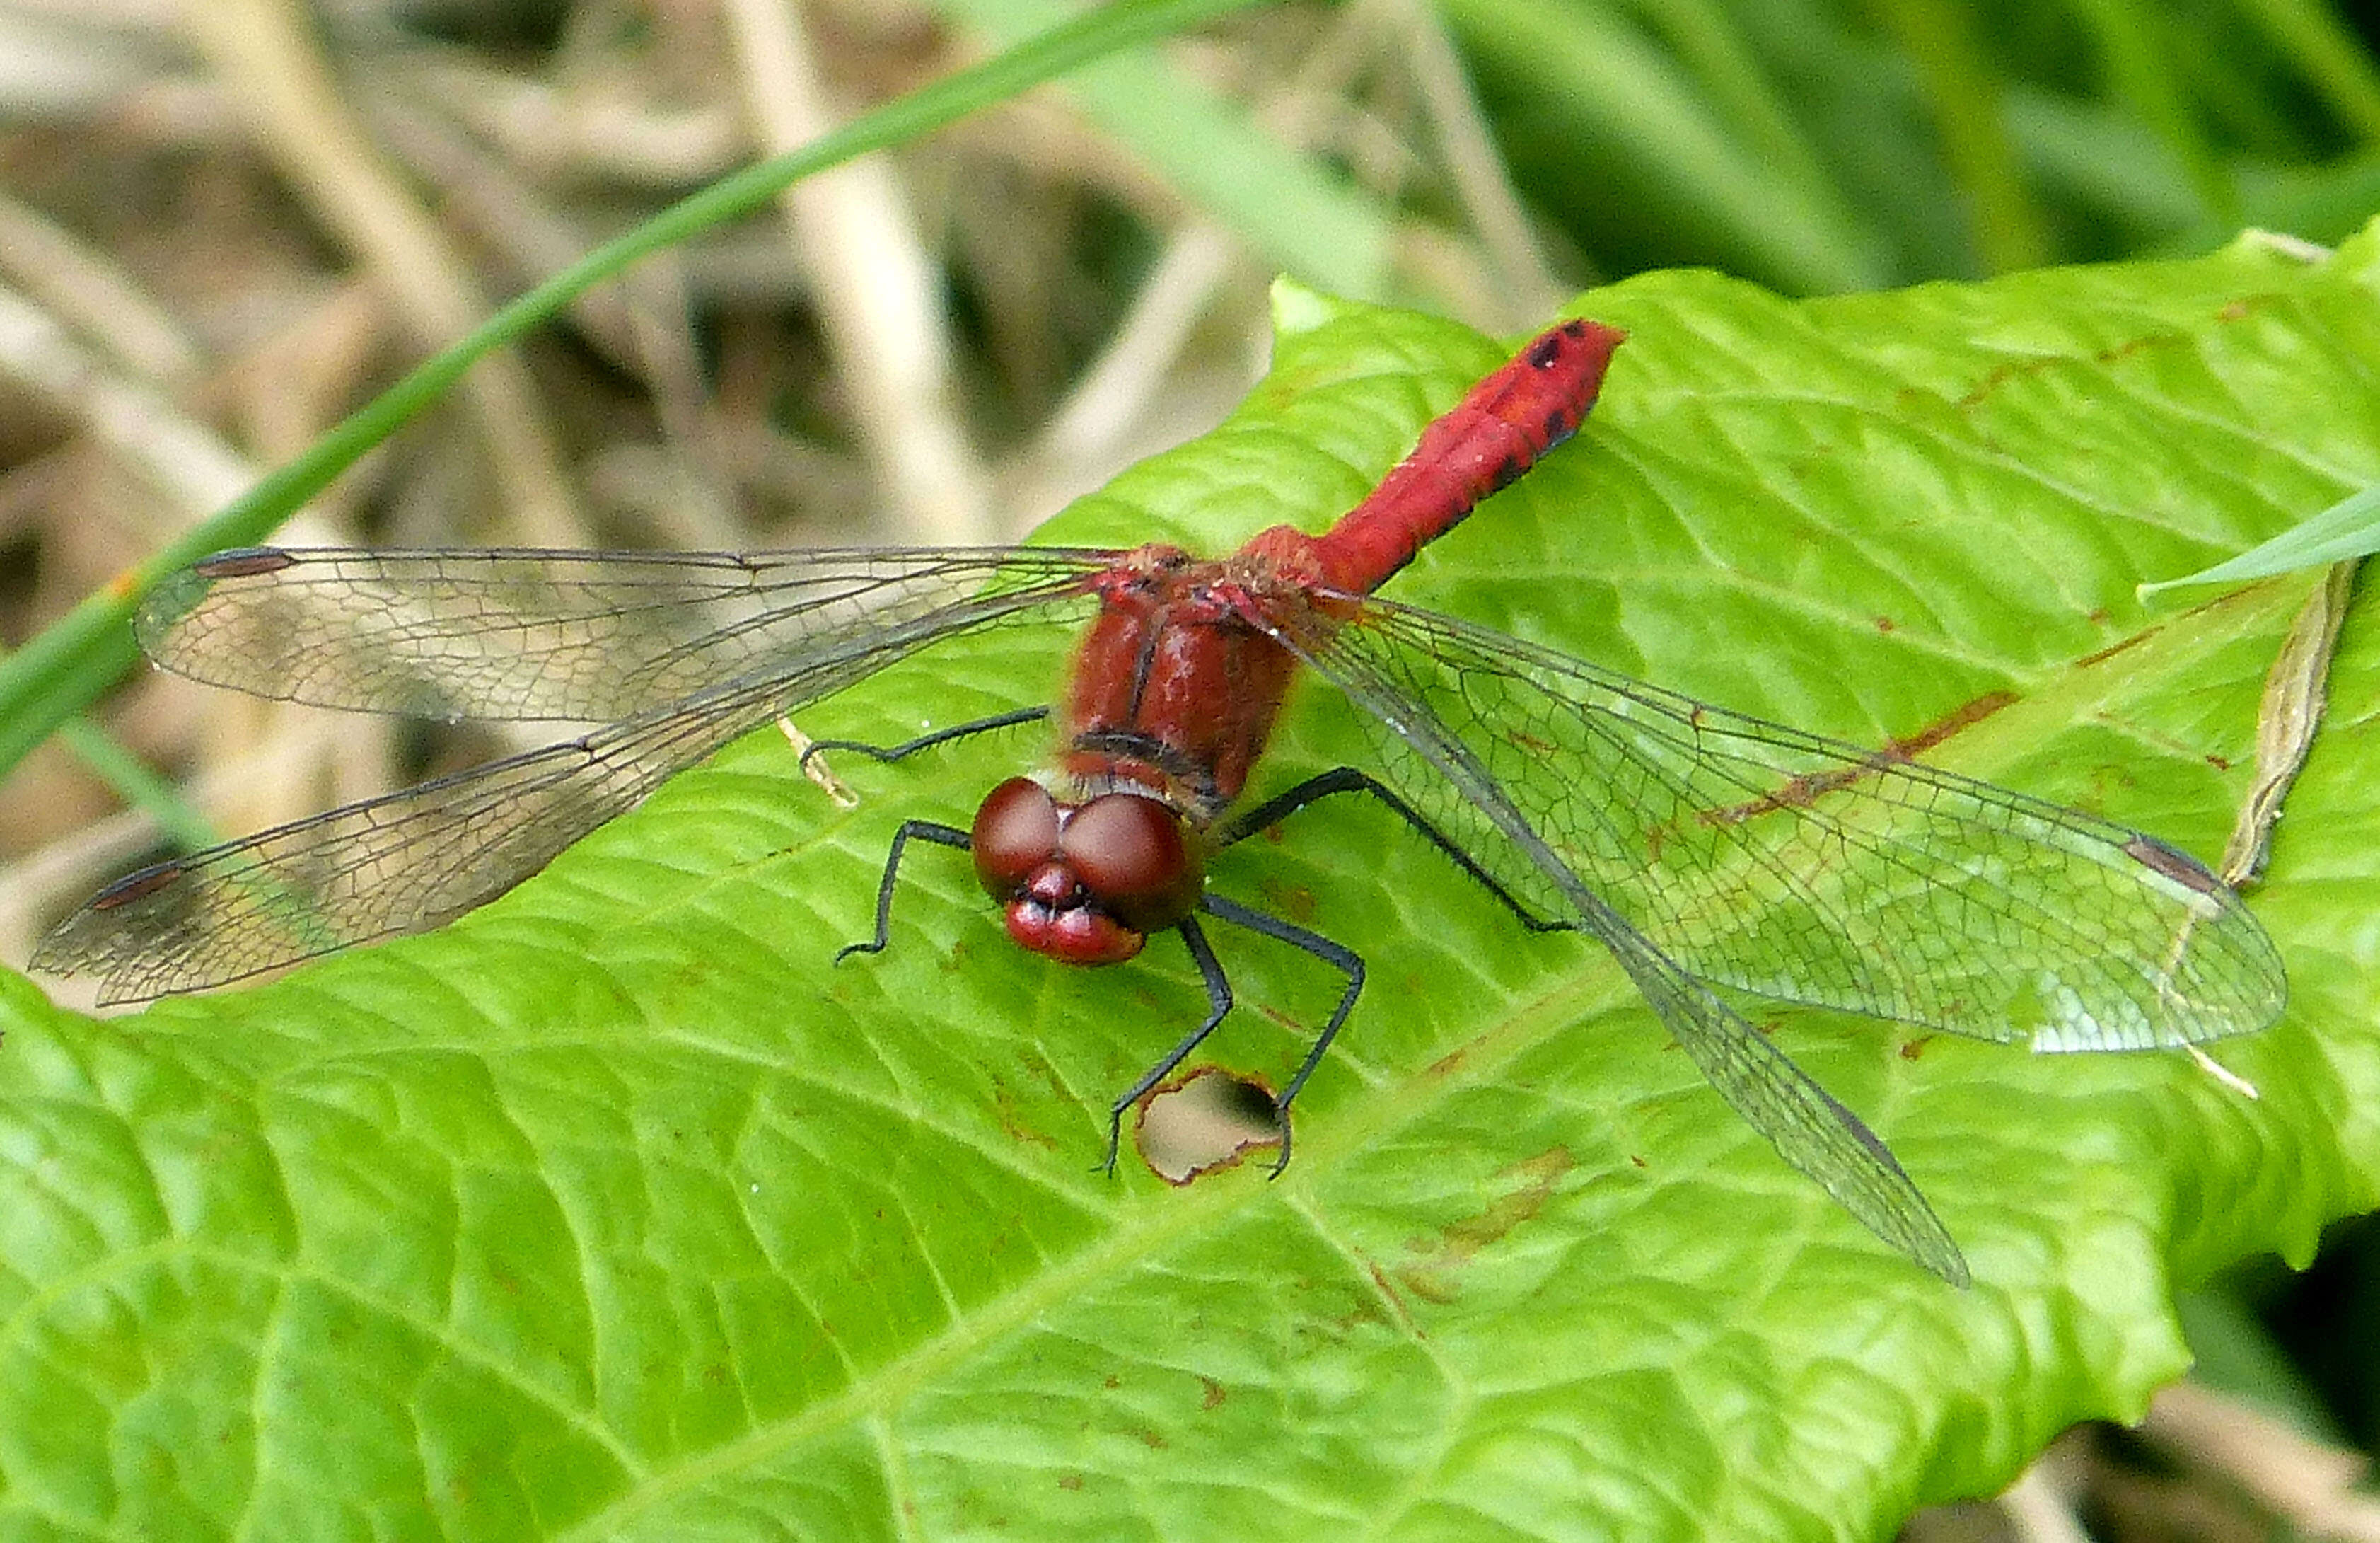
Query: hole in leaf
x=1202 y=1122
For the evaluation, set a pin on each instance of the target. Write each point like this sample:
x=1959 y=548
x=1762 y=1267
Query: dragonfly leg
x=918 y=830
x=1346 y=960
x=927 y=741
x=1219 y=1003
x=1348 y=779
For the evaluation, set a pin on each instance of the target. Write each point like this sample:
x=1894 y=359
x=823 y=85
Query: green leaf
x=618 y=1210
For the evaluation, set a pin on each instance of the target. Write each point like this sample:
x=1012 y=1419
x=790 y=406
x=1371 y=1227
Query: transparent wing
x=526 y=634
x=410 y=861
x=1802 y=1120
x=1793 y=866
x=1699 y=844
x=422 y=856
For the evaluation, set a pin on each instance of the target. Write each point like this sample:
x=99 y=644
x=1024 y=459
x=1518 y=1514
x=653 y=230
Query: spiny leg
x=1348 y=779
x=1219 y=1003
x=921 y=830
x=1338 y=956
x=1345 y=779
x=927 y=741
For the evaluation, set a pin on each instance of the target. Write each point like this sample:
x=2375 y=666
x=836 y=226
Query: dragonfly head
x=1084 y=882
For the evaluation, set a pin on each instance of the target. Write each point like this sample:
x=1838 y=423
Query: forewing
x=1786 y=864
x=526 y=634
x=424 y=855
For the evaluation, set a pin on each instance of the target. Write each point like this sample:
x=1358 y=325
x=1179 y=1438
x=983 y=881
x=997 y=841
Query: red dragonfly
x=1700 y=847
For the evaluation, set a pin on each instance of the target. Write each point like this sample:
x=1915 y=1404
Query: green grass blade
x=1300 y=217
x=1603 y=90
x=133 y=781
x=2349 y=527
x=2333 y=59
x=1963 y=90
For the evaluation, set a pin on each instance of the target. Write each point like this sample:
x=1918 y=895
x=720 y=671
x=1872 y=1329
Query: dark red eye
x=1015 y=832
x=1133 y=858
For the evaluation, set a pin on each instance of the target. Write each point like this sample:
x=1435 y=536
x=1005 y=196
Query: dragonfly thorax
x=1084 y=882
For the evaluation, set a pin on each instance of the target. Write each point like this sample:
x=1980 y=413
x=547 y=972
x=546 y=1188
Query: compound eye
x=1133 y=856
x=1015 y=832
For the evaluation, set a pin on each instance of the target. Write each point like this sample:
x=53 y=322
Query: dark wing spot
x=2180 y=867
x=136 y=886
x=243 y=562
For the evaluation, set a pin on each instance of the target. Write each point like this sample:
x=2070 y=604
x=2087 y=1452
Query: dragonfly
x=1706 y=850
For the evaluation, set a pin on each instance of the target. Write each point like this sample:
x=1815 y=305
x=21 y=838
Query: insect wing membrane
x=398 y=863
x=1809 y=1128
x=1806 y=1124
x=418 y=858
x=508 y=634
x=1801 y=867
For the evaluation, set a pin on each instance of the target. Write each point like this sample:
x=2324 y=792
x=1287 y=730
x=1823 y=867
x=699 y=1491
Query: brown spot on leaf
x=1013 y=1124
x=2088 y=660
x=1435 y=1273
x=1292 y=901
x=1965 y=716
x=1395 y=1298
x=1803 y=791
x=1434 y=1289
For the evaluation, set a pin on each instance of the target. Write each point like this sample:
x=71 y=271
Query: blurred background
x=225 y=226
